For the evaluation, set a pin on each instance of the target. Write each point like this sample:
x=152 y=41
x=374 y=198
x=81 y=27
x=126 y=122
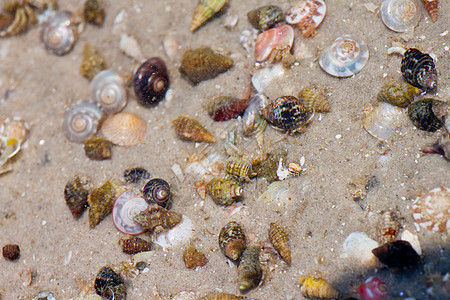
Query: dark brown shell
x=151 y=81
x=286 y=113
x=397 y=254
x=76 y=196
x=157 y=191
x=193 y=258
x=418 y=69
x=94 y=12
x=101 y=202
x=97 y=148
x=224 y=108
x=250 y=272
x=110 y=285
x=155 y=216
x=280 y=241
x=133 y=245
x=11 y=251
x=428 y=114
x=232 y=241
x=265 y=17
x=135 y=175
x=191 y=130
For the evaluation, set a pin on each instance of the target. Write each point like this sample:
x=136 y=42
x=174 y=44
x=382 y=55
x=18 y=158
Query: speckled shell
x=101 y=202
x=94 y=12
x=432 y=210
x=151 y=81
x=286 y=113
x=204 y=11
x=396 y=95
x=280 y=241
x=432 y=8
x=110 y=285
x=133 y=245
x=224 y=108
x=124 y=129
x=11 y=251
x=418 y=69
x=157 y=191
x=135 y=175
x=238 y=168
x=388 y=228
x=125 y=208
x=59 y=34
x=76 y=196
x=193 y=258
x=155 y=216
x=428 y=114
x=81 y=120
x=278 y=38
x=317 y=288
x=265 y=17
x=252 y=121
x=107 y=88
x=314 y=100
x=401 y=15
x=97 y=148
x=223 y=191
x=307 y=14
x=191 y=130
x=92 y=62
x=232 y=241
x=397 y=254
x=249 y=270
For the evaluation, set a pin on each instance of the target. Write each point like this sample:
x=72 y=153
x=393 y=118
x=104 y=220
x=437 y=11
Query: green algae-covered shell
x=110 y=285
x=265 y=17
x=97 y=148
x=223 y=191
x=92 y=62
x=428 y=114
x=76 y=196
x=101 y=201
x=250 y=272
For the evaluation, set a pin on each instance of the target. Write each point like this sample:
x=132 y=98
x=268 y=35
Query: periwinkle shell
x=397 y=254
x=107 y=88
x=97 y=148
x=59 y=33
x=157 y=191
x=428 y=114
x=151 y=81
x=81 y=120
x=418 y=69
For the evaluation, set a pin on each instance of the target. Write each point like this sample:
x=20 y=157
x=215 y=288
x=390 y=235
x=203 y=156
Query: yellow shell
x=191 y=130
x=124 y=129
x=204 y=11
x=317 y=288
x=314 y=100
x=280 y=241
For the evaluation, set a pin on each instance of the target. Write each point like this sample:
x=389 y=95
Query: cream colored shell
x=124 y=129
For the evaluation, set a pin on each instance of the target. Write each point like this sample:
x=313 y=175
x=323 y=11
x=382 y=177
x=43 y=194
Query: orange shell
x=124 y=129
x=273 y=39
x=432 y=8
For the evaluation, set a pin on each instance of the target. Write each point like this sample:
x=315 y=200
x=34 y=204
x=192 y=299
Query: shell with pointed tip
x=155 y=216
x=92 y=62
x=428 y=114
x=157 y=191
x=16 y=128
x=345 y=57
x=280 y=241
x=401 y=15
x=204 y=11
x=232 y=241
x=193 y=258
x=93 y=12
x=133 y=245
x=59 y=33
x=125 y=208
x=275 y=39
x=110 y=285
x=418 y=69
x=265 y=17
x=307 y=14
x=442 y=147
x=124 y=129
x=108 y=90
x=239 y=168
x=249 y=270
x=317 y=288
x=81 y=120
x=383 y=121
x=224 y=108
x=151 y=81
x=223 y=191
x=397 y=254
x=287 y=113
x=432 y=210
x=432 y=8
x=191 y=130
x=252 y=121
x=314 y=100
x=76 y=196
x=101 y=201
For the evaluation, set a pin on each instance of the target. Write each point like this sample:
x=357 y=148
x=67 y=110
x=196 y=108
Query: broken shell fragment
x=101 y=201
x=307 y=15
x=442 y=147
x=252 y=121
x=401 y=15
x=374 y=288
x=191 y=130
x=358 y=246
x=125 y=208
x=135 y=175
x=94 y=12
x=317 y=288
x=204 y=11
x=276 y=42
x=432 y=210
x=124 y=129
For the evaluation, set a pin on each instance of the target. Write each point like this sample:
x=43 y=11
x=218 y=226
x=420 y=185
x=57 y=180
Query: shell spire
x=204 y=11
x=432 y=8
x=419 y=70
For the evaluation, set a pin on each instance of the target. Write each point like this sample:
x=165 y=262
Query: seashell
x=239 y=168
x=252 y=121
x=155 y=216
x=418 y=69
x=8 y=148
x=389 y=227
x=265 y=17
x=110 y=285
x=92 y=62
x=345 y=57
x=432 y=8
x=266 y=166
x=81 y=120
x=193 y=258
x=280 y=241
x=177 y=235
x=16 y=128
x=101 y=201
x=442 y=147
x=274 y=43
x=130 y=47
x=358 y=247
x=249 y=270
x=11 y=251
x=222 y=296
x=224 y=108
x=428 y=114
x=413 y=239
x=125 y=208
x=397 y=254
x=287 y=113
x=203 y=63
x=59 y=33
x=374 y=288
x=383 y=121
x=204 y=11
x=307 y=14
x=247 y=39
x=157 y=191
x=317 y=288
x=76 y=196
x=135 y=175
x=191 y=130
x=396 y=95
x=133 y=245
x=97 y=148
x=124 y=129
x=432 y=210
x=232 y=241
x=401 y=15
x=223 y=191
x=267 y=77
x=151 y=81
x=93 y=12
x=314 y=100
x=107 y=88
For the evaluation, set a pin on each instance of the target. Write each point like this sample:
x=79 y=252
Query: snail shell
x=249 y=270
x=59 y=33
x=314 y=99
x=432 y=8
x=133 y=245
x=397 y=254
x=317 y=288
x=280 y=241
x=124 y=129
x=157 y=191
x=101 y=201
x=345 y=57
x=109 y=284
x=279 y=38
x=232 y=241
x=135 y=175
x=252 y=120
x=191 y=130
x=97 y=148
x=428 y=114
x=223 y=191
x=204 y=11
x=81 y=120
x=155 y=216
x=94 y=12
x=286 y=113
x=193 y=258
x=238 y=168
x=265 y=17
x=432 y=210
x=151 y=81
x=92 y=62
x=76 y=196
x=401 y=15
x=108 y=90
x=396 y=95
x=125 y=208
x=224 y=108
x=307 y=15
x=418 y=69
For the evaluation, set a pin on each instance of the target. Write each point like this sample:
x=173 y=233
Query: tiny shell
x=177 y=235
x=374 y=288
x=265 y=17
x=389 y=227
x=92 y=62
x=397 y=254
x=401 y=15
x=81 y=120
x=432 y=210
x=345 y=57
x=155 y=216
x=224 y=108
x=191 y=130
x=94 y=12
x=59 y=33
x=317 y=288
x=107 y=88
x=280 y=241
x=239 y=168
x=15 y=127
x=193 y=258
x=224 y=191
x=124 y=129
x=276 y=41
x=133 y=245
x=204 y=11
x=383 y=121
x=432 y=8
x=11 y=251
x=314 y=99
x=101 y=202
x=135 y=175
x=110 y=285
x=358 y=247
x=307 y=14
x=252 y=121
x=126 y=206
x=232 y=241
x=418 y=69
x=130 y=47
x=151 y=81
x=249 y=270
x=97 y=148
x=76 y=196
x=287 y=113
x=428 y=114
x=157 y=191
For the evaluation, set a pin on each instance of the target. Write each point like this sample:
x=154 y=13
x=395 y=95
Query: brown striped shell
x=432 y=8
x=133 y=245
x=124 y=129
x=280 y=241
x=204 y=11
x=155 y=216
x=232 y=241
x=191 y=130
x=314 y=99
x=418 y=69
x=193 y=258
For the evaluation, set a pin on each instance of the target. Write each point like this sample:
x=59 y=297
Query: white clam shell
x=108 y=90
x=81 y=120
x=383 y=121
x=401 y=15
x=59 y=34
x=345 y=57
x=125 y=208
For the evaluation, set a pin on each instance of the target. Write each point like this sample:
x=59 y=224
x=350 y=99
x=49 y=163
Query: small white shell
x=81 y=120
x=401 y=15
x=108 y=90
x=358 y=247
x=383 y=121
x=130 y=47
x=125 y=208
x=59 y=34
x=124 y=129
x=432 y=210
x=345 y=57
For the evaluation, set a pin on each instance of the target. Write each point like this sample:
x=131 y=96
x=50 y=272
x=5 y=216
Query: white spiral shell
x=81 y=120
x=125 y=208
x=401 y=15
x=108 y=90
x=59 y=33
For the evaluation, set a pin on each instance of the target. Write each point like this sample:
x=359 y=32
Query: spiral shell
x=204 y=11
x=239 y=168
x=307 y=14
x=101 y=201
x=314 y=100
x=133 y=245
x=286 y=113
x=265 y=17
x=125 y=208
x=389 y=227
x=428 y=114
x=81 y=120
x=110 y=285
x=155 y=216
x=76 y=196
x=124 y=129
x=401 y=15
x=191 y=130
x=280 y=241
x=396 y=95
x=249 y=270
x=157 y=191
x=108 y=90
x=432 y=8
x=232 y=241
x=151 y=81
x=432 y=210
x=397 y=254
x=373 y=288
x=223 y=191
x=276 y=39
x=418 y=69
x=59 y=33
x=317 y=288
x=345 y=57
